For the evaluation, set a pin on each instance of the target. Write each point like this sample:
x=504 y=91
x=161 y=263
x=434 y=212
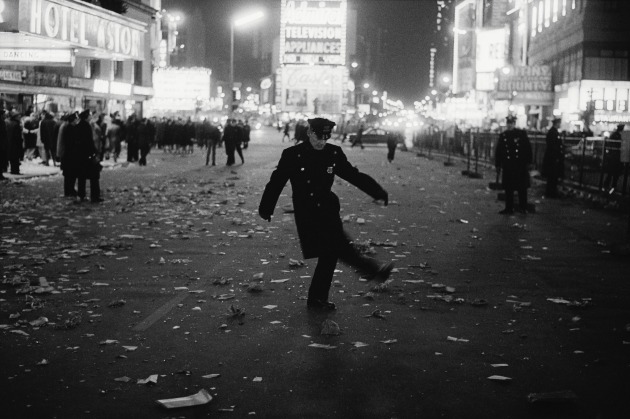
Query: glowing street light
x=238 y=22
x=366 y=85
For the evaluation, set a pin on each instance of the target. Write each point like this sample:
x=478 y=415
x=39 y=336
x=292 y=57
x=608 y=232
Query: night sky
x=409 y=25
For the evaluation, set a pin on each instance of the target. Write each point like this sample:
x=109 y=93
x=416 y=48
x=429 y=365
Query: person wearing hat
x=311 y=167
x=4 y=144
x=612 y=160
x=14 y=139
x=64 y=138
x=553 y=161
x=513 y=156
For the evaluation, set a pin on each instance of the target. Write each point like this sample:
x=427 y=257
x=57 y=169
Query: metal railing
x=584 y=156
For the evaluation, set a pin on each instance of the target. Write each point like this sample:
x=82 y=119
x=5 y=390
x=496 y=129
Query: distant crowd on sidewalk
x=52 y=139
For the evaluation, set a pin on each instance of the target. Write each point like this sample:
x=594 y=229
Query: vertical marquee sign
x=313 y=32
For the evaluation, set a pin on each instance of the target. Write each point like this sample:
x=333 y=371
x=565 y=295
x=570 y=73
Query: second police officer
x=513 y=156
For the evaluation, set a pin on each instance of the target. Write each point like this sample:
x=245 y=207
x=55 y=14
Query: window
x=117 y=70
x=564 y=7
x=534 y=21
x=547 y=13
x=555 y=11
x=95 y=69
x=541 y=11
x=137 y=73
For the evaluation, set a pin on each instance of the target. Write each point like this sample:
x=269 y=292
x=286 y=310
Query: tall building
x=587 y=45
x=441 y=59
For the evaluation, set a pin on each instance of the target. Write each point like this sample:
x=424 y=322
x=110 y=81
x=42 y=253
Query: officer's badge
x=329 y=170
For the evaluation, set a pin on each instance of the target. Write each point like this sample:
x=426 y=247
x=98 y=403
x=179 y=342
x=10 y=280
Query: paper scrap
x=202 y=397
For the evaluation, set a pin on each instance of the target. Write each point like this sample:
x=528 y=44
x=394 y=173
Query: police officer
x=612 y=160
x=513 y=157
x=311 y=167
x=553 y=161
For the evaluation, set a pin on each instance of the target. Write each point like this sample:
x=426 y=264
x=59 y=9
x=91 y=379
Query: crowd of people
x=79 y=141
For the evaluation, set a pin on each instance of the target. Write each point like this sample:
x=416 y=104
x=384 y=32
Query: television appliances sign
x=313 y=32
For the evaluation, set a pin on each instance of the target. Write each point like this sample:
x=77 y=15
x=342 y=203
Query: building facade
x=65 y=55
x=540 y=59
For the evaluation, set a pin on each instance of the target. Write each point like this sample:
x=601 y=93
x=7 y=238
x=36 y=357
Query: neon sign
x=313 y=32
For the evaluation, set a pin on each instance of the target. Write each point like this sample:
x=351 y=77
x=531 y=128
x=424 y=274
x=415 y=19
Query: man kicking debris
x=311 y=167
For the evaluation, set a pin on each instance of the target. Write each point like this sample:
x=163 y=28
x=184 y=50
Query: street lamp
x=238 y=22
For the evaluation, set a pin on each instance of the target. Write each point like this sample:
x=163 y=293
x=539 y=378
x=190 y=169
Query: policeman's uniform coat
x=513 y=155
x=553 y=161
x=316 y=207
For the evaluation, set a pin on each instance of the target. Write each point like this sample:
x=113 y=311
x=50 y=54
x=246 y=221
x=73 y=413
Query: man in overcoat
x=513 y=157
x=553 y=161
x=311 y=167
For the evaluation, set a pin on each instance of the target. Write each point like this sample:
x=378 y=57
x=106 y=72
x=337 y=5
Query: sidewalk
x=35 y=169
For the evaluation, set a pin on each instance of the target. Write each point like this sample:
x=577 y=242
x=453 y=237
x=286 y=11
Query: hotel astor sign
x=80 y=25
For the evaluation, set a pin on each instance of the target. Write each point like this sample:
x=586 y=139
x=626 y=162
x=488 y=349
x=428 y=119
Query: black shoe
x=97 y=200
x=506 y=212
x=321 y=305
x=383 y=272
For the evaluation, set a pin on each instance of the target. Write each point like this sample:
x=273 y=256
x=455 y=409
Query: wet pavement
x=176 y=276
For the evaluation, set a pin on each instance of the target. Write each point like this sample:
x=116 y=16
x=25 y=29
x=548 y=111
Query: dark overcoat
x=513 y=156
x=316 y=207
x=553 y=161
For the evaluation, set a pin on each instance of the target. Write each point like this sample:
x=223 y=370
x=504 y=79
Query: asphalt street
x=175 y=279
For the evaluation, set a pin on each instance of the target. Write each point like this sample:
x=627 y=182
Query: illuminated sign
x=79 y=24
x=117 y=88
x=101 y=86
x=11 y=75
x=305 y=87
x=525 y=79
x=464 y=43
x=182 y=88
x=62 y=56
x=265 y=83
x=313 y=32
x=608 y=116
x=491 y=50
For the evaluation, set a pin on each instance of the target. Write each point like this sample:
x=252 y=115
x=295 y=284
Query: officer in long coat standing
x=513 y=157
x=311 y=167
x=553 y=161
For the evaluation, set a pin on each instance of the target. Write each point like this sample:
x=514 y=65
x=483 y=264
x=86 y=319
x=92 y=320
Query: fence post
x=582 y=161
x=601 y=169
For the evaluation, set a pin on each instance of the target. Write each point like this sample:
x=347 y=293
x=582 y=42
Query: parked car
x=370 y=136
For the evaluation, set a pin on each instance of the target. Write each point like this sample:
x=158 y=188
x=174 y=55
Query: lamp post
x=236 y=23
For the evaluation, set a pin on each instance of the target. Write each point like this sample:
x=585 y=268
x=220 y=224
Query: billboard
x=311 y=89
x=464 y=47
x=532 y=84
x=313 y=32
x=180 y=88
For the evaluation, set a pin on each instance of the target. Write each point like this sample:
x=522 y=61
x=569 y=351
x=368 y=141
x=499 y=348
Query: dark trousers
x=322 y=277
x=229 y=150
x=143 y=157
x=15 y=165
x=551 y=191
x=391 y=151
x=212 y=149
x=95 y=188
x=509 y=198
x=68 y=185
x=240 y=152
x=612 y=177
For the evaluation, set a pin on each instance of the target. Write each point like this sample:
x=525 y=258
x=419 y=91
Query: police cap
x=510 y=119
x=322 y=127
